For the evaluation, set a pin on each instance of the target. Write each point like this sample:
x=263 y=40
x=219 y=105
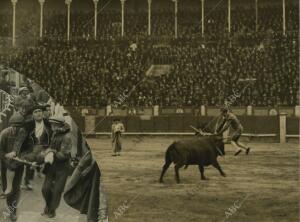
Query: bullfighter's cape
x=83 y=189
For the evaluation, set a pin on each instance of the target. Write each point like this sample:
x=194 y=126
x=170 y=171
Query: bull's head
x=219 y=144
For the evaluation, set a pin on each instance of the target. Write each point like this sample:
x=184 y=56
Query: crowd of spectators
x=98 y=74
x=189 y=23
x=262 y=72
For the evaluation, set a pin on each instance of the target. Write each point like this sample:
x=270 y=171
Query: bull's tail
x=169 y=157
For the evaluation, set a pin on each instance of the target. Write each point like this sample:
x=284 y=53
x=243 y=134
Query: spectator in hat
x=32 y=140
x=57 y=165
x=24 y=102
x=42 y=96
x=11 y=171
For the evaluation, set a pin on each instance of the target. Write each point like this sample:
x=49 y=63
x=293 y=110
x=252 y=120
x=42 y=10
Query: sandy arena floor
x=31 y=206
x=263 y=186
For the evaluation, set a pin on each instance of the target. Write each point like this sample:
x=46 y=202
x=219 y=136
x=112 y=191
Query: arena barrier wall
x=80 y=122
x=292 y=126
x=265 y=125
x=208 y=111
x=260 y=122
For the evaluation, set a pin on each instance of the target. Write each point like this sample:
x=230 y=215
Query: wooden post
x=203 y=110
x=249 y=111
x=297 y=111
x=282 y=127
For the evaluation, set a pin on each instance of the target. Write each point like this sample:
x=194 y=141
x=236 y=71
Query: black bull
x=202 y=151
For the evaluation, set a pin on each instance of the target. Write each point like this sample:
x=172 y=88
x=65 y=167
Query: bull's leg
x=201 y=169
x=177 y=167
x=216 y=165
x=164 y=169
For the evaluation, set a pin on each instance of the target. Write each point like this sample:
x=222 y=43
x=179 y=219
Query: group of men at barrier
x=41 y=137
x=34 y=140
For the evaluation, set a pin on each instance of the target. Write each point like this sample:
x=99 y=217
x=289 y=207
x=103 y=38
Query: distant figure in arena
x=117 y=129
x=230 y=120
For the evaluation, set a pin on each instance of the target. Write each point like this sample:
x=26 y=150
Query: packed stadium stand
x=255 y=58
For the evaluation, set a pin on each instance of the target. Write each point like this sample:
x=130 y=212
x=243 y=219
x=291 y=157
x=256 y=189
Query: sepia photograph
x=149 y=110
x=47 y=169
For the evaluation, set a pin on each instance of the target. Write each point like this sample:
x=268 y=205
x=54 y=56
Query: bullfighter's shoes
x=248 y=150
